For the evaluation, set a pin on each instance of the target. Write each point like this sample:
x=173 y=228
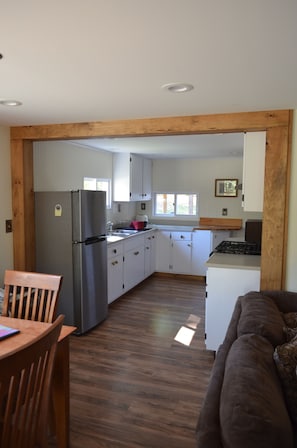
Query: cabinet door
x=147 y=180
x=153 y=251
x=121 y=177
x=147 y=258
x=253 y=171
x=163 y=251
x=115 y=278
x=133 y=267
x=217 y=238
x=181 y=252
x=181 y=257
x=136 y=170
x=149 y=254
x=200 y=251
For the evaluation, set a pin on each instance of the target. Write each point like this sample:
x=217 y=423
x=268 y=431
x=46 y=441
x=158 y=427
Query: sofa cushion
x=290 y=319
x=290 y=333
x=285 y=357
x=260 y=315
x=252 y=408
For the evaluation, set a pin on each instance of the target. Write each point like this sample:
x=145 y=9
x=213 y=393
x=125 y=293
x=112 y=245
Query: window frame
x=174 y=215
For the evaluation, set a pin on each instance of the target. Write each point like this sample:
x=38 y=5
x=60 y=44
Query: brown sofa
x=251 y=400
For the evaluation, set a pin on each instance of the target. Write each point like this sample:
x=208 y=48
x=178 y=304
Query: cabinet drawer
x=114 y=249
x=184 y=236
x=134 y=242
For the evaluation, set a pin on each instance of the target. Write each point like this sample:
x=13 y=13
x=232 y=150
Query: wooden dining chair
x=25 y=385
x=31 y=295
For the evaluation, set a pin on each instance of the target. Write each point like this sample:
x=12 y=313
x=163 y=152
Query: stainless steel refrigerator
x=71 y=241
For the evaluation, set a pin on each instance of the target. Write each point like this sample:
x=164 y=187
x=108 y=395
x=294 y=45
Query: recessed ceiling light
x=178 y=87
x=10 y=103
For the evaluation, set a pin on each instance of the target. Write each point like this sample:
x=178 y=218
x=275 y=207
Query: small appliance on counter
x=137 y=225
x=143 y=218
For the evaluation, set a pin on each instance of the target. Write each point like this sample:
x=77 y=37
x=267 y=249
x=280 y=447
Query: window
x=91 y=183
x=176 y=204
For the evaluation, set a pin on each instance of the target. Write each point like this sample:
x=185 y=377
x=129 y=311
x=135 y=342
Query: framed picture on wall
x=227 y=188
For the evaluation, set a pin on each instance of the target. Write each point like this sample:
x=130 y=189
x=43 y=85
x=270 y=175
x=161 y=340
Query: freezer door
x=90 y=283
x=88 y=214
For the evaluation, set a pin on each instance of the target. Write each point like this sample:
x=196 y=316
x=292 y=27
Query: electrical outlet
x=224 y=211
x=8 y=225
x=143 y=206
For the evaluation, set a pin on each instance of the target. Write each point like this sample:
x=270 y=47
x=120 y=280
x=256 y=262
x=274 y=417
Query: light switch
x=8 y=225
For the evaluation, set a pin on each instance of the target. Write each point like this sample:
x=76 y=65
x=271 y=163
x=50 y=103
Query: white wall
x=6 y=242
x=291 y=279
x=198 y=176
x=62 y=166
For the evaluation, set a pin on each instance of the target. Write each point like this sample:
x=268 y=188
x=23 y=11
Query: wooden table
x=29 y=330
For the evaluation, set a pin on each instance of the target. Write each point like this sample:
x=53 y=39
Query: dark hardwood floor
x=131 y=384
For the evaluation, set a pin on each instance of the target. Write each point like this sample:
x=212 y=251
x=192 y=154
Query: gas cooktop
x=238 y=247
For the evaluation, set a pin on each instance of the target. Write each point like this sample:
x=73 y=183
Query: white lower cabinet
x=181 y=262
x=174 y=252
x=115 y=279
x=217 y=237
x=129 y=262
x=149 y=254
x=224 y=286
x=133 y=261
x=163 y=251
x=203 y=243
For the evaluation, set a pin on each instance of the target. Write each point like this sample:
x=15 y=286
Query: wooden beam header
x=203 y=124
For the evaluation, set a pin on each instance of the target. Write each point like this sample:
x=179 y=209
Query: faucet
x=109 y=225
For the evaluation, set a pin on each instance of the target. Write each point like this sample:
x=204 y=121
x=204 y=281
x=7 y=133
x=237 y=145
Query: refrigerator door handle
x=95 y=239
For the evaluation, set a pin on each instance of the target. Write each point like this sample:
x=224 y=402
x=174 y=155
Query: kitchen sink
x=125 y=232
x=119 y=234
x=114 y=238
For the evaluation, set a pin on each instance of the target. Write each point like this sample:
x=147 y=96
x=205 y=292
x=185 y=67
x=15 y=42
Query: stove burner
x=238 y=247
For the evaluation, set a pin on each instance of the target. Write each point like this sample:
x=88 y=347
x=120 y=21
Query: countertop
x=219 y=224
x=116 y=238
x=214 y=228
x=171 y=227
x=234 y=261
x=192 y=228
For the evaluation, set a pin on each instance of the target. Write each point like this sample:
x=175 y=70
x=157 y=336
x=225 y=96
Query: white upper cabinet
x=146 y=179
x=253 y=171
x=131 y=177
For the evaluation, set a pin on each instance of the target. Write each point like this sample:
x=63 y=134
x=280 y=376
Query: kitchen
x=51 y=172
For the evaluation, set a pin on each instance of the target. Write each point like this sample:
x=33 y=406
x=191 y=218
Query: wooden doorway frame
x=278 y=125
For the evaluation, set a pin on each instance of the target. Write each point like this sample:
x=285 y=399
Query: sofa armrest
x=208 y=426
x=286 y=301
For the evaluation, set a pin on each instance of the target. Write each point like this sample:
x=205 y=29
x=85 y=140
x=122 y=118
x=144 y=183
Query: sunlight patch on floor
x=184 y=336
x=186 y=332
x=193 y=321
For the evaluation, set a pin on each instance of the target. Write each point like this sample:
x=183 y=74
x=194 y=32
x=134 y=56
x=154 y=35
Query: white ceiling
x=178 y=146
x=74 y=61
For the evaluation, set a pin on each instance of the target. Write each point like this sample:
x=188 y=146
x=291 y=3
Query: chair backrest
x=25 y=385
x=31 y=295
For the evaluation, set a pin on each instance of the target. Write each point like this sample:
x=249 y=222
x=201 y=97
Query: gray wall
x=6 y=243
